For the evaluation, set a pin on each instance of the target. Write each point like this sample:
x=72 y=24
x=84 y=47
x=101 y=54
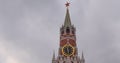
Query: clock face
x=68 y=50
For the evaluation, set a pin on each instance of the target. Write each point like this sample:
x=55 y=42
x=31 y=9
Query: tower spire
x=67 y=22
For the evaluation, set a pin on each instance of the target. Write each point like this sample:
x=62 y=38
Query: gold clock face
x=68 y=50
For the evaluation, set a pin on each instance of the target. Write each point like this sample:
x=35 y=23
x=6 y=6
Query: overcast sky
x=29 y=29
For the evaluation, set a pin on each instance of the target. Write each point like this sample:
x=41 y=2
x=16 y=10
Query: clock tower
x=68 y=52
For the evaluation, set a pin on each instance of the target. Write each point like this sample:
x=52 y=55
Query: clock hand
x=67 y=50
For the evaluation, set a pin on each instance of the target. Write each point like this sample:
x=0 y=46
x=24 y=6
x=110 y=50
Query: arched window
x=67 y=30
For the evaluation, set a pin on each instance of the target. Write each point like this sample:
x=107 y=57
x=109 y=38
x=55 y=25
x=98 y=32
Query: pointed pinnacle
x=53 y=55
x=83 y=59
x=82 y=55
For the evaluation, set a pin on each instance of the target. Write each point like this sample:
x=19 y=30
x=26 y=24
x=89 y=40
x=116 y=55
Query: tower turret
x=67 y=28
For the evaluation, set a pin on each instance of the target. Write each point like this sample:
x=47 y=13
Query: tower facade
x=68 y=52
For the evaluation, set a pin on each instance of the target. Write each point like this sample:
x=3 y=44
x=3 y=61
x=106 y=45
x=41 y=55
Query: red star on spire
x=67 y=4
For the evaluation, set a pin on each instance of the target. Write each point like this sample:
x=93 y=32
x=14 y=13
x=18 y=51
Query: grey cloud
x=30 y=29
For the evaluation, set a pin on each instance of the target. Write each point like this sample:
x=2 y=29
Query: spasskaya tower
x=68 y=52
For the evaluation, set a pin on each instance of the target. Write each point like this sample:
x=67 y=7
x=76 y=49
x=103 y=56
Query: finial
x=67 y=4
